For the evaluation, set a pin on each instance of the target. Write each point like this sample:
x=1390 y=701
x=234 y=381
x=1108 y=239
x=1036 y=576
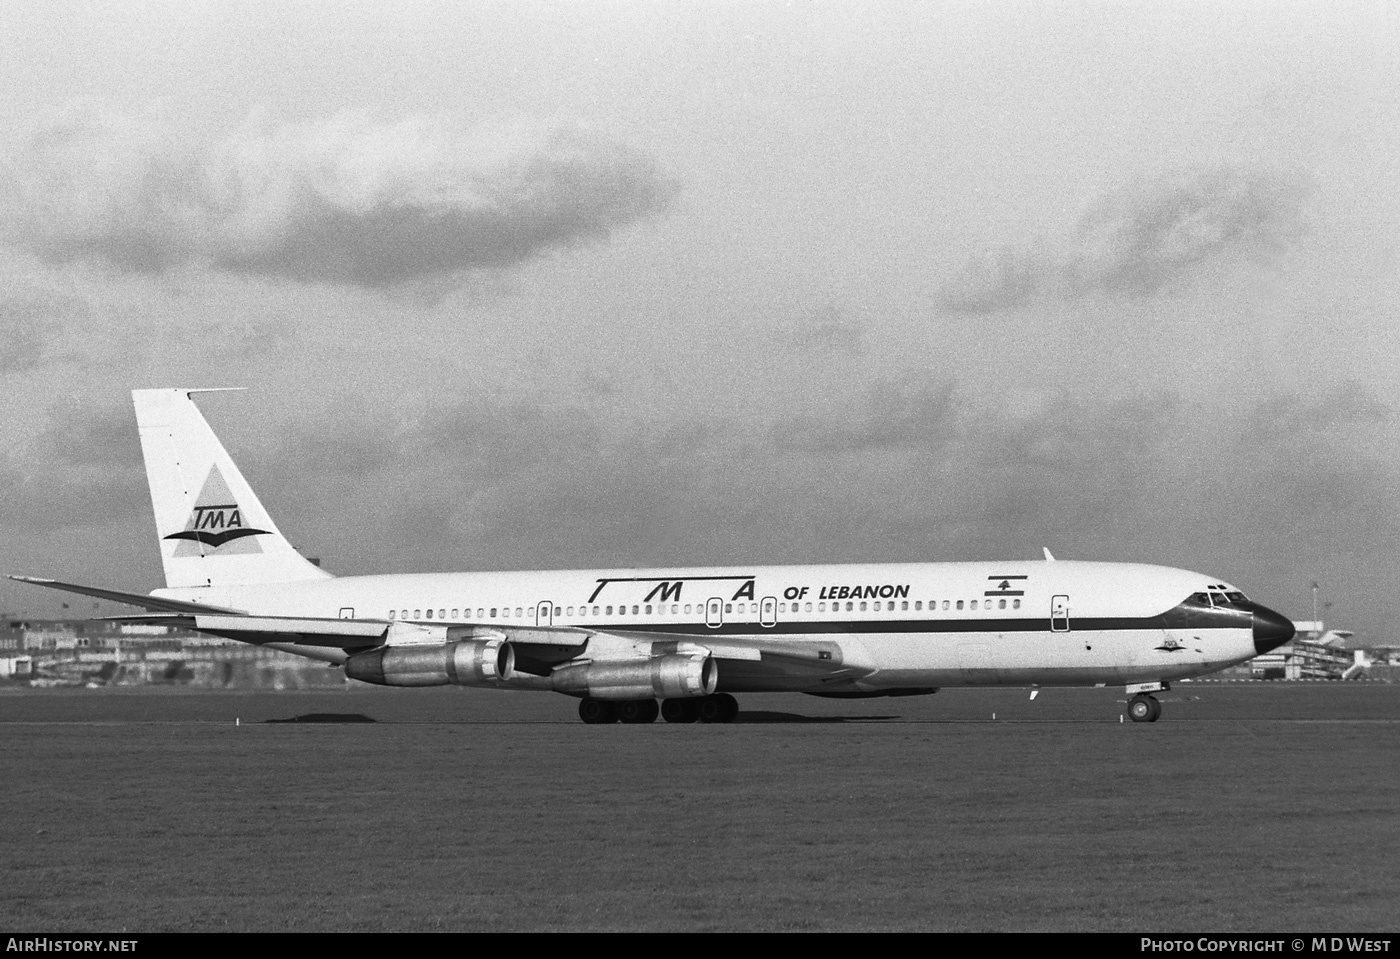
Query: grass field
x=1263 y=807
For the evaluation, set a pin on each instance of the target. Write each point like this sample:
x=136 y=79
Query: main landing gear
x=1143 y=708
x=719 y=708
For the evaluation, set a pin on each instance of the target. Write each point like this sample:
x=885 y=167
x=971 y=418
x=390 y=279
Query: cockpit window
x=1219 y=598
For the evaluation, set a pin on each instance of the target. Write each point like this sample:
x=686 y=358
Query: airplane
x=630 y=644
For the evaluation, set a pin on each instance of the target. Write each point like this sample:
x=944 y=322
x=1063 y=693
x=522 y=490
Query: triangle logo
x=216 y=524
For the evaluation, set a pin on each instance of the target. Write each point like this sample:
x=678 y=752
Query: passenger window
x=391 y=614
x=960 y=602
x=729 y=607
x=417 y=614
x=1015 y=604
x=1001 y=604
x=648 y=609
x=493 y=612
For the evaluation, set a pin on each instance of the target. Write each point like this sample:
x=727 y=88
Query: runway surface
x=1249 y=807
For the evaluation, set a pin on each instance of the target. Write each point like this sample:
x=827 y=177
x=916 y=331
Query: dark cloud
x=1143 y=239
x=421 y=201
x=1155 y=232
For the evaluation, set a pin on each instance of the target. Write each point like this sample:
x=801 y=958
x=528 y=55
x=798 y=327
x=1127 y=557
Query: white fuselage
x=898 y=625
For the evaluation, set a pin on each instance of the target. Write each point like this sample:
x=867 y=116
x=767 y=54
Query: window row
x=694 y=609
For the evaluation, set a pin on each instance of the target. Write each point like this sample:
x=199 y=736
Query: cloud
x=829 y=331
x=86 y=436
x=425 y=200
x=1141 y=240
x=999 y=278
x=1149 y=235
x=84 y=470
x=892 y=415
x=30 y=331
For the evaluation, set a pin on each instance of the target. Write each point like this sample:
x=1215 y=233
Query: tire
x=680 y=710
x=637 y=711
x=1143 y=709
x=596 y=712
x=719 y=708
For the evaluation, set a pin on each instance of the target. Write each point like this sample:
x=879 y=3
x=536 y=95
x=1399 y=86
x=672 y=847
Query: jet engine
x=661 y=677
x=468 y=663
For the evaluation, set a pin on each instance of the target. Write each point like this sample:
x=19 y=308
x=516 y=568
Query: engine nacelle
x=661 y=677
x=470 y=663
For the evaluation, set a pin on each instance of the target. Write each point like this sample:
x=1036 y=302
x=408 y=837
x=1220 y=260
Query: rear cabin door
x=1059 y=614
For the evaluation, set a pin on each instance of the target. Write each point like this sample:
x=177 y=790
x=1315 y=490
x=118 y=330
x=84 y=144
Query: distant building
x=1315 y=652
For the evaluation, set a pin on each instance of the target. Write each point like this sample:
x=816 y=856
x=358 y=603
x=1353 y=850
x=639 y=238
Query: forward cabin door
x=1059 y=614
x=544 y=614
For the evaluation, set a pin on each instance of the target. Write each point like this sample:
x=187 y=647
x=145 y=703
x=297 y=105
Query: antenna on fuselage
x=1048 y=557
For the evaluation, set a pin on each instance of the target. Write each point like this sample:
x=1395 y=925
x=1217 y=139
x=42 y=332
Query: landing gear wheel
x=720 y=708
x=635 y=711
x=597 y=711
x=1143 y=708
x=680 y=710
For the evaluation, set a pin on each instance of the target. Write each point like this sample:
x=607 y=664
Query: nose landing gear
x=1143 y=708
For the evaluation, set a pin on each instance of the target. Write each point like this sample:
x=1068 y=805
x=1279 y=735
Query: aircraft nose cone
x=1270 y=630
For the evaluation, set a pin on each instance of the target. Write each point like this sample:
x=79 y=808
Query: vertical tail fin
x=213 y=531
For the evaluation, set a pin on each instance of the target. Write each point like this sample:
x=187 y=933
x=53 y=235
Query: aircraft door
x=544 y=614
x=768 y=612
x=714 y=612
x=347 y=612
x=1059 y=614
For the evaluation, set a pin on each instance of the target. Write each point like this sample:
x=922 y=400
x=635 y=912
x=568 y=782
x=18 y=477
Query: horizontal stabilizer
x=157 y=603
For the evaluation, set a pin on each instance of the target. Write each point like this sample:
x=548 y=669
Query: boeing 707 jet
x=632 y=644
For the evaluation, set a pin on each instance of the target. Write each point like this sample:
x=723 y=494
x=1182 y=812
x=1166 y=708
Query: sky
x=559 y=285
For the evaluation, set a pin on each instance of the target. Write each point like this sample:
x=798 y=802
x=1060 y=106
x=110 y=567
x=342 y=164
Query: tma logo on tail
x=216 y=522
